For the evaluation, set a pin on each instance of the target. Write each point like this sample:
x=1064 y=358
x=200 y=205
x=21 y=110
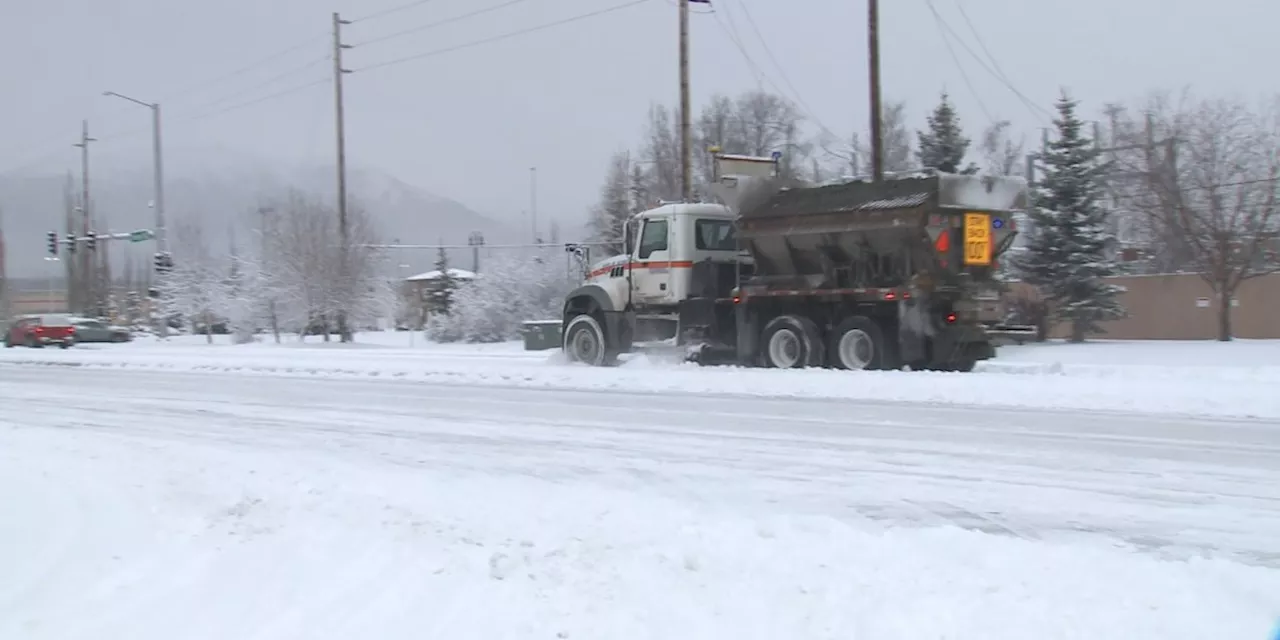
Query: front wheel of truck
x=584 y=342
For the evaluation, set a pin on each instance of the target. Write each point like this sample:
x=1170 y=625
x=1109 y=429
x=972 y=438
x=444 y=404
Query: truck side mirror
x=628 y=236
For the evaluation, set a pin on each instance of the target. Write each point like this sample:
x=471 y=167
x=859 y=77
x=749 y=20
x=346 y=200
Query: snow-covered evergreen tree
x=1067 y=254
x=441 y=291
x=944 y=145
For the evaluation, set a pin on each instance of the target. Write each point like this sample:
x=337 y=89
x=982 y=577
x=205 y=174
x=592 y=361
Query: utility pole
x=533 y=201
x=343 y=233
x=476 y=240
x=686 y=139
x=86 y=261
x=873 y=45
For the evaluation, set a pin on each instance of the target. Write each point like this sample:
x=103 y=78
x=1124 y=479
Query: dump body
x=933 y=231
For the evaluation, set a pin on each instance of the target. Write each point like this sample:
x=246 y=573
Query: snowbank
x=216 y=539
x=1213 y=379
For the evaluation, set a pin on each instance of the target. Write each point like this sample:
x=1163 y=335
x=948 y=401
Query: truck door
x=651 y=268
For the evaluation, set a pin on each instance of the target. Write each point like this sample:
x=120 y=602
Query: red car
x=41 y=331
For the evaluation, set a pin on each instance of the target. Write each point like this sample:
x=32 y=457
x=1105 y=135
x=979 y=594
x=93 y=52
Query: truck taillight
x=951 y=318
x=943 y=243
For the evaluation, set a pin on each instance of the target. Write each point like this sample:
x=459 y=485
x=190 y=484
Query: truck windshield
x=715 y=235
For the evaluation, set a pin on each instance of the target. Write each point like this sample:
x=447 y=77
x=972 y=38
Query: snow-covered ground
x=148 y=504
x=1191 y=378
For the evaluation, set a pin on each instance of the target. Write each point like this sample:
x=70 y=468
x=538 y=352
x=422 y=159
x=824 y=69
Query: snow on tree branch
x=509 y=291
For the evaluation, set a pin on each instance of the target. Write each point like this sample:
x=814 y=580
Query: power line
x=270 y=96
x=994 y=62
x=781 y=71
x=504 y=36
x=396 y=9
x=960 y=67
x=438 y=23
x=1025 y=100
x=265 y=83
x=247 y=68
x=762 y=76
x=735 y=38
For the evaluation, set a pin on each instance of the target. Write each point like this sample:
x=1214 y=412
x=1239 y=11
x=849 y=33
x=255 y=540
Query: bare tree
x=309 y=281
x=194 y=288
x=1000 y=154
x=662 y=153
x=1211 y=187
x=615 y=205
x=854 y=155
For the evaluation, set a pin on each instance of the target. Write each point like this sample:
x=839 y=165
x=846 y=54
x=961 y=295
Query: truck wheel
x=791 y=342
x=857 y=344
x=584 y=342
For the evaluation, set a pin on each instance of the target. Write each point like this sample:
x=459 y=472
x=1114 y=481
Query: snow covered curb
x=1170 y=395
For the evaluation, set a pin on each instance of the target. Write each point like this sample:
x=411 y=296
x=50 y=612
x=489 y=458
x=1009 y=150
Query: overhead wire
x=1025 y=100
x=995 y=63
x=270 y=96
x=781 y=71
x=392 y=10
x=503 y=36
x=438 y=23
x=964 y=75
x=761 y=76
x=247 y=68
x=268 y=82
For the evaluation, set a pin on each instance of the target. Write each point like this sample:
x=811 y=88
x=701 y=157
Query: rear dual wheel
x=791 y=342
x=859 y=343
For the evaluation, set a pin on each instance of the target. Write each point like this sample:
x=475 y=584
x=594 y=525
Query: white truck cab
x=676 y=254
x=665 y=243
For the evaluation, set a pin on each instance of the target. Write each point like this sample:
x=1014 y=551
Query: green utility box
x=540 y=335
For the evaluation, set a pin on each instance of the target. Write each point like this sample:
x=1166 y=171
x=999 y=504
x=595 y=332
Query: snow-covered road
x=165 y=504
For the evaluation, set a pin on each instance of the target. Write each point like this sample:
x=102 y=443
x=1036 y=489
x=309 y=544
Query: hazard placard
x=977 y=239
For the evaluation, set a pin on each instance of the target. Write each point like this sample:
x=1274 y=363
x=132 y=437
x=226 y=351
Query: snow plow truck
x=852 y=275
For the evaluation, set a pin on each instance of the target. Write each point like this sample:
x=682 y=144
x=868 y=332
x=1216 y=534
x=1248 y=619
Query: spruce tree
x=943 y=145
x=1068 y=250
x=442 y=288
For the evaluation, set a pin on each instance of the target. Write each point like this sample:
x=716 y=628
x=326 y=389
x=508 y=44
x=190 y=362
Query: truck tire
x=584 y=342
x=858 y=343
x=791 y=342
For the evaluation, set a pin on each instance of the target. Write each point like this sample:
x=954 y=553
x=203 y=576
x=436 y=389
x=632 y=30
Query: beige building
x=1183 y=307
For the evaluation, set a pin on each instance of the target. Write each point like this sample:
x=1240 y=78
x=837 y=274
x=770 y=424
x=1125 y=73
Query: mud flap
x=913 y=327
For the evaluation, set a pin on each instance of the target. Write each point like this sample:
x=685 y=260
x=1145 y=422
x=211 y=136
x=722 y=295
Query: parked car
x=89 y=330
x=39 y=331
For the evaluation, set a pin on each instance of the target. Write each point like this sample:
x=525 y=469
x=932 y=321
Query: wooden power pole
x=340 y=129
x=686 y=138
x=873 y=57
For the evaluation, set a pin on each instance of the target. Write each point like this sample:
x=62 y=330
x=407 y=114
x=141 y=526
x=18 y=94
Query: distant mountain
x=223 y=189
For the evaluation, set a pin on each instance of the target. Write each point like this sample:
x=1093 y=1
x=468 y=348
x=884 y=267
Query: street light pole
x=162 y=241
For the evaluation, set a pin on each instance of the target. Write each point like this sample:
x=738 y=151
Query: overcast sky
x=468 y=124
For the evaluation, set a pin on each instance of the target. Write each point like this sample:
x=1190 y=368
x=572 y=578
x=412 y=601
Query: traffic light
x=163 y=262
x=53 y=243
x=91 y=241
x=71 y=243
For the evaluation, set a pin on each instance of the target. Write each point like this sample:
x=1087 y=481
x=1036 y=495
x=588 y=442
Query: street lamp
x=162 y=244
